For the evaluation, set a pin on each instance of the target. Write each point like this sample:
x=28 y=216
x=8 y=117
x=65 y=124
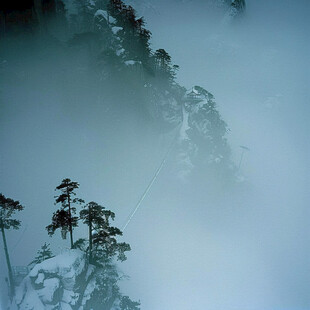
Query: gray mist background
x=241 y=249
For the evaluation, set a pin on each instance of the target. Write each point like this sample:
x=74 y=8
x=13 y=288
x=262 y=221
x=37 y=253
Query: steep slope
x=110 y=56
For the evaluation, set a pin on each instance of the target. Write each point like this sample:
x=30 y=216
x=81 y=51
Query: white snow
x=61 y=264
x=69 y=297
x=101 y=13
x=50 y=286
x=120 y=51
x=132 y=62
x=53 y=279
x=115 y=29
x=106 y=16
x=40 y=278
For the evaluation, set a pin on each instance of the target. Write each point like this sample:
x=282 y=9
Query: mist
x=195 y=245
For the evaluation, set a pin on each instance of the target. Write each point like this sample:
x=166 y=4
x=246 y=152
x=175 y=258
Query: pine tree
x=134 y=37
x=64 y=217
x=238 y=5
x=163 y=59
x=206 y=145
x=127 y=304
x=92 y=215
x=164 y=68
x=107 y=290
x=8 y=207
x=103 y=245
x=43 y=254
x=237 y=8
x=102 y=250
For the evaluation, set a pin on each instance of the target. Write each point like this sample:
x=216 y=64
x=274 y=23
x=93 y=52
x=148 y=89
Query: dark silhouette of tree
x=239 y=5
x=163 y=59
x=206 y=146
x=103 y=244
x=107 y=290
x=127 y=304
x=164 y=68
x=8 y=207
x=64 y=217
x=43 y=254
x=92 y=215
x=103 y=249
x=134 y=37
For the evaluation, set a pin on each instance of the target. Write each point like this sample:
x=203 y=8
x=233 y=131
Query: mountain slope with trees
x=101 y=52
x=104 y=47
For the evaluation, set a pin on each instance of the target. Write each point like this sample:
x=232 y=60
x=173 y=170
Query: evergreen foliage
x=115 y=47
x=205 y=146
x=8 y=208
x=64 y=217
x=239 y=5
x=103 y=245
x=42 y=254
x=110 y=45
x=237 y=8
x=127 y=304
x=102 y=248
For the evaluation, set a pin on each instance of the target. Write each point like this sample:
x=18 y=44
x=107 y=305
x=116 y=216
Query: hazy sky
x=251 y=250
x=242 y=249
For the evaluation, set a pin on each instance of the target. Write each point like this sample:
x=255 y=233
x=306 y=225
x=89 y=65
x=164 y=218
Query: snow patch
x=132 y=62
x=51 y=284
x=115 y=29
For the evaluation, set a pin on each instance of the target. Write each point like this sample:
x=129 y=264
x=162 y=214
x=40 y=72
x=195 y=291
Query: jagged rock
x=52 y=283
x=67 y=281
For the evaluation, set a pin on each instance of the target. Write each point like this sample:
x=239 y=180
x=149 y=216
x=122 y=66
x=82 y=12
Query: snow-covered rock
x=52 y=283
x=115 y=29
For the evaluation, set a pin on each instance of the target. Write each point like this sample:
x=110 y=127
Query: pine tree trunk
x=70 y=221
x=90 y=237
x=10 y=272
